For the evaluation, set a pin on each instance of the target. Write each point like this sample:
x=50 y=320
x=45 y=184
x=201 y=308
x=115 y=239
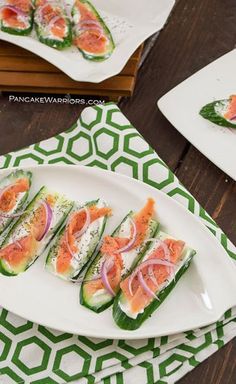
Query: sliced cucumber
x=21 y=198
x=45 y=35
x=121 y=312
x=110 y=46
x=214 y=113
x=5 y=27
x=86 y=245
x=22 y=229
x=102 y=300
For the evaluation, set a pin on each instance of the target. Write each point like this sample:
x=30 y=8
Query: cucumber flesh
x=86 y=245
x=121 y=313
x=102 y=299
x=21 y=198
x=214 y=112
x=21 y=228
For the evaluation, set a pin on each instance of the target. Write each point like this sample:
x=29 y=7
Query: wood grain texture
x=22 y=70
x=196 y=34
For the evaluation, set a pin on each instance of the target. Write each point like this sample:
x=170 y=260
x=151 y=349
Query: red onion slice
x=89 y=25
x=49 y=215
x=151 y=275
x=53 y=21
x=131 y=242
x=233 y=118
x=39 y=11
x=161 y=244
x=86 y=224
x=79 y=233
x=164 y=246
x=104 y=270
x=90 y=22
x=18 y=244
x=144 y=264
x=145 y=286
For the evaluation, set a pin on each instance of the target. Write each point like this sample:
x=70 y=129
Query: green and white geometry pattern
x=30 y=353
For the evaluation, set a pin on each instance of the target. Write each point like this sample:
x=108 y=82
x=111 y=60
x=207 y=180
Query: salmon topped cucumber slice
x=32 y=232
x=76 y=242
x=91 y=35
x=156 y=274
x=16 y=16
x=221 y=112
x=116 y=258
x=14 y=190
x=52 y=24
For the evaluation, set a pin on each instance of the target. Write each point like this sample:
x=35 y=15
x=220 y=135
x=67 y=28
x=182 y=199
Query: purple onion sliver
x=53 y=21
x=105 y=279
x=151 y=275
x=144 y=264
x=145 y=286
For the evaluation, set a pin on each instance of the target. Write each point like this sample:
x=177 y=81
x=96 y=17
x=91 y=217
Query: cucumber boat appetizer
x=91 y=35
x=157 y=273
x=76 y=242
x=32 y=232
x=14 y=190
x=16 y=16
x=52 y=24
x=221 y=112
x=117 y=256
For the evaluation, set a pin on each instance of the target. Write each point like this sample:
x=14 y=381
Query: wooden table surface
x=197 y=33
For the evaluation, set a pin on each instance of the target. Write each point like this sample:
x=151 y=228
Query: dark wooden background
x=197 y=33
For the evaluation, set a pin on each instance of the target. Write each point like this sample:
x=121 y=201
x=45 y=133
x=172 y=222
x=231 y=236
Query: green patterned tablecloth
x=30 y=353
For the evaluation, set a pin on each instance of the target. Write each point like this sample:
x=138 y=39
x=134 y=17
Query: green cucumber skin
x=90 y=256
x=208 y=112
x=92 y=57
x=17 y=31
x=67 y=41
x=15 y=175
x=125 y=322
x=20 y=220
x=106 y=305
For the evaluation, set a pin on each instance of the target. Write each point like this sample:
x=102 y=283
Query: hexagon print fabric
x=30 y=353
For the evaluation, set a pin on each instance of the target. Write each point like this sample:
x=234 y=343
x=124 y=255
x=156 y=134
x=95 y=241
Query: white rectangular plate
x=202 y=295
x=182 y=104
x=130 y=22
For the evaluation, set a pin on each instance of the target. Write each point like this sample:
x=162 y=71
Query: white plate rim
x=128 y=335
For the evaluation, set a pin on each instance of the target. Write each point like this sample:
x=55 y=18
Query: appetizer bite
x=14 y=190
x=32 y=232
x=117 y=256
x=16 y=16
x=77 y=240
x=221 y=112
x=91 y=35
x=52 y=24
x=156 y=274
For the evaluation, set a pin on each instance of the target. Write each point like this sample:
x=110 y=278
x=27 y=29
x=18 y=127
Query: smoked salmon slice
x=91 y=35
